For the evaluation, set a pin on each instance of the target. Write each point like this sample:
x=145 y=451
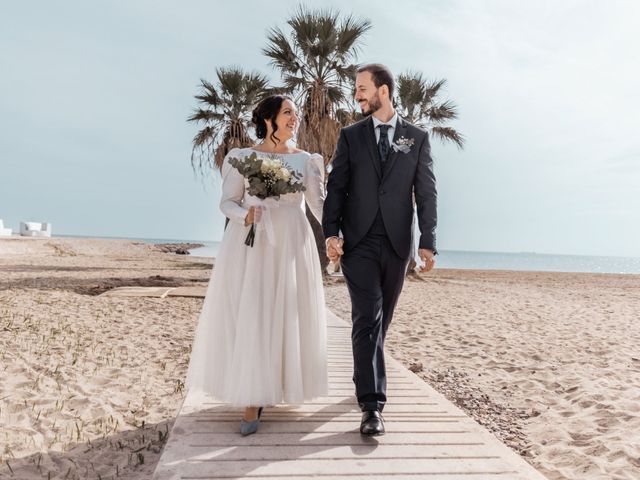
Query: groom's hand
x=428 y=259
x=334 y=248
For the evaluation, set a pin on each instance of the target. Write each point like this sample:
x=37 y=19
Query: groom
x=380 y=164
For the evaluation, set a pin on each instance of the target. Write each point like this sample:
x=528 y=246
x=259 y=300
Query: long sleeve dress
x=261 y=337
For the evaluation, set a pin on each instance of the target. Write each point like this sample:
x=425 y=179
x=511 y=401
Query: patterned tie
x=383 y=143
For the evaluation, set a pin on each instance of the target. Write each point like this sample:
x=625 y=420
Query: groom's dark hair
x=381 y=76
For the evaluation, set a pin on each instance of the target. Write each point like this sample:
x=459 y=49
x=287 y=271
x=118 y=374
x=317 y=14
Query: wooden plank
x=300 y=468
x=155 y=292
x=276 y=453
x=435 y=425
x=327 y=439
x=428 y=437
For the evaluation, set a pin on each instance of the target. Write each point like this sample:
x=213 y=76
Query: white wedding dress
x=261 y=338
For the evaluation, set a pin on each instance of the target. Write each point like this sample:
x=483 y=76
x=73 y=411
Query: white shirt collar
x=392 y=122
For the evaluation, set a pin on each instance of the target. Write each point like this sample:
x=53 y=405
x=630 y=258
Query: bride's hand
x=254 y=215
x=428 y=260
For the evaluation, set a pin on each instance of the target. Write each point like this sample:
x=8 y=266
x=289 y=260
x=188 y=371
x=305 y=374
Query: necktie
x=383 y=143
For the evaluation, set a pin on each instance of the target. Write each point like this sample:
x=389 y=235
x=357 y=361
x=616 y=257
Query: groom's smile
x=367 y=94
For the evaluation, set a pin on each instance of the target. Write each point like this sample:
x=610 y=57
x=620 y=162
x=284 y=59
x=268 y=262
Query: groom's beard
x=374 y=105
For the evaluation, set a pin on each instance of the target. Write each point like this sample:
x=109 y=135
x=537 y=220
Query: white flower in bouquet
x=271 y=165
x=284 y=174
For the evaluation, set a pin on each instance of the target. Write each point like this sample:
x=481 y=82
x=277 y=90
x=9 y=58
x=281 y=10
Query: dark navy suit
x=370 y=203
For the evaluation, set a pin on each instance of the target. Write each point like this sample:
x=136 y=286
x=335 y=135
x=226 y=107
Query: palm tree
x=417 y=102
x=316 y=60
x=225 y=115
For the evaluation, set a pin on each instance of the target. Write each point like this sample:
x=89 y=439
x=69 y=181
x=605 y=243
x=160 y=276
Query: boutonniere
x=403 y=144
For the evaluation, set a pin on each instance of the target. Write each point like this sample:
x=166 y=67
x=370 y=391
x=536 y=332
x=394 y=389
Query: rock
x=416 y=367
x=177 y=248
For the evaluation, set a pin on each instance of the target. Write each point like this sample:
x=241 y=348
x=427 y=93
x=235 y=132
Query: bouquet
x=268 y=177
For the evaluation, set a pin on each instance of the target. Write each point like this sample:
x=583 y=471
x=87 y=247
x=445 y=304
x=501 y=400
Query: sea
x=522 y=261
x=460 y=259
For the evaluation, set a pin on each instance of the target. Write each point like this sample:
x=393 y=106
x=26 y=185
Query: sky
x=94 y=98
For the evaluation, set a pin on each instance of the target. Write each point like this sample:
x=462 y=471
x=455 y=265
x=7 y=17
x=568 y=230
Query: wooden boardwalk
x=427 y=436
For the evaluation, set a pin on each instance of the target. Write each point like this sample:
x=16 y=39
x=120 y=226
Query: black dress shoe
x=372 y=424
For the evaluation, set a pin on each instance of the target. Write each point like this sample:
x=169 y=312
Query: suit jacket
x=358 y=187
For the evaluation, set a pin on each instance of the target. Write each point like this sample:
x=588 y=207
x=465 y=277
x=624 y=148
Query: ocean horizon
x=468 y=260
x=521 y=261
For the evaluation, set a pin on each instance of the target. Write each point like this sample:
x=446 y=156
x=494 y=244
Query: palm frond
x=349 y=37
x=281 y=53
x=411 y=92
x=292 y=82
x=448 y=134
x=202 y=151
x=432 y=88
x=231 y=80
x=346 y=73
x=446 y=110
x=335 y=94
x=209 y=94
x=282 y=90
x=417 y=100
x=204 y=136
x=202 y=115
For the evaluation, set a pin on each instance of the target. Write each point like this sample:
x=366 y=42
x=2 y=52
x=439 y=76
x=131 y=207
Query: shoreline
x=547 y=361
x=443 y=263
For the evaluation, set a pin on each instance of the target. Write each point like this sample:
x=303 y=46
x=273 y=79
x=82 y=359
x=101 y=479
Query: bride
x=261 y=336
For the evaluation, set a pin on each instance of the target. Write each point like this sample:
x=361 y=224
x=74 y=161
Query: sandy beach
x=549 y=362
x=90 y=384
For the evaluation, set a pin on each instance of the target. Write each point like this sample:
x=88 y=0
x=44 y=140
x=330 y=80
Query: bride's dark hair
x=267 y=111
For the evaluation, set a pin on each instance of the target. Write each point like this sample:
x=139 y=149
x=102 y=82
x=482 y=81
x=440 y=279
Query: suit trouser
x=374 y=274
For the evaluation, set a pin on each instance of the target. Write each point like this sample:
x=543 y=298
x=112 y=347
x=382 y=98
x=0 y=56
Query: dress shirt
x=390 y=132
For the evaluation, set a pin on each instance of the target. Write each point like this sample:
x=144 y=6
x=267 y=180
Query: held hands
x=428 y=260
x=253 y=216
x=334 y=249
x=334 y=252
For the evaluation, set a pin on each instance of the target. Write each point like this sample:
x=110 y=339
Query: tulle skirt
x=261 y=337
